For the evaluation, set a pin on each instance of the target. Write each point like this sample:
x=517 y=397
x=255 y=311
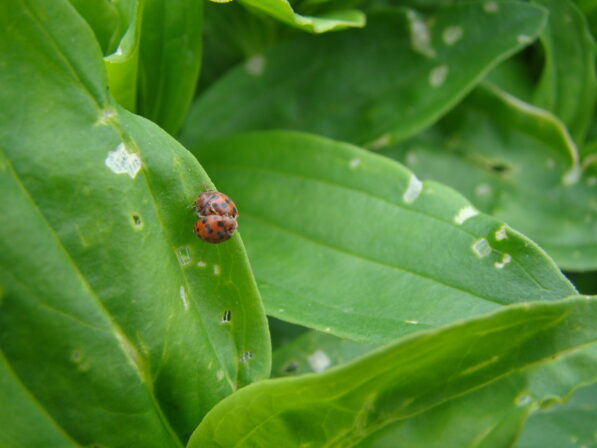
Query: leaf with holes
x=485 y=374
x=315 y=351
x=567 y=425
x=351 y=243
x=518 y=163
x=113 y=314
x=410 y=70
x=169 y=60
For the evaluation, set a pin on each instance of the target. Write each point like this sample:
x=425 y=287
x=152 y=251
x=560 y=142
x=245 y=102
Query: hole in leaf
x=227 y=316
x=499 y=168
x=136 y=221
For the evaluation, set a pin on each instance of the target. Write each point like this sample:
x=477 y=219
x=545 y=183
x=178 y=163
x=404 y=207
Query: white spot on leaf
x=481 y=247
x=220 y=375
x=246 y=356
x=438 y=75
x=523 y=400
x=319 y=361
x=201 y=264
x=355 y=162
x=500 y=233
x=464 y=214
x=452 y=34
x=523 y=39
x=255 y=65
x=120 y=161
x=491 y=7
x=412 y=322
x=380 y=142
x=106 y=115
x=420 y=37
x=183 y=297
x=415 y=186
x=482 y=189
x=506 y=258
x=217 y=269
x=184 y=255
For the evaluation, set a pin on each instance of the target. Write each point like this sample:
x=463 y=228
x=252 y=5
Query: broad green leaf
x=283 y=11
x=518 y=163
x=504 y=364
x=570 y=425
x=314 y=351
x=568 y=86
x=384 y=82
x=169 y=61
x=113 y=314
x=117 y=26
x=353 y=244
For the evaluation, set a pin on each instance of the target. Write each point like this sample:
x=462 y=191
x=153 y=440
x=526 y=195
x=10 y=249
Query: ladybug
x=214 y=203
x=215 y=229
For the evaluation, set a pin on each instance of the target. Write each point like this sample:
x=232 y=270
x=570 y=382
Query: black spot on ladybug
x=204 y=220
x=220 y=224
x=210 y=230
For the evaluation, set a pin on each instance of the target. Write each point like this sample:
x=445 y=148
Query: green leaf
x=117 y=26
x=396 y=76
x=282 y=11
x=351 y=243
x=314 y=351
x=518 y=163
x=112 y=311
x=568 y=86
x=503 y=364
x=170 y=60
x=569 y=425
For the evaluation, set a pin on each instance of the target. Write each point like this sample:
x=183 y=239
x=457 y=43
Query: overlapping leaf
x=352 y=243
x=485 y=374
x=113 y=315
x=170 y=58
x=282 y=10
x=384 y=82
x=518 y=163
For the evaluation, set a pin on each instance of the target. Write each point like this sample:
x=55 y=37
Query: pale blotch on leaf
x=319 y=361
x=246 y=356
x=481 y=248
x=327 y=329
x=281 y=310
x=355 y=162
x=411 y=158
x=183 y=297
x=523 y=399
x=482 y=189
x=120 y=161
x=452 y=34
x=220 y=375
x=506 y=258
x=184 y=255
x=438 y=75
x=491 y=7
x=107 y=114
x=201 y=264
x=255 y=65
x=411 y=322
x=420 y=36
x=380 y=142
x=415 y=186
x=523 y=39
x=464 y=214
x=500 y=234
x=217 y=270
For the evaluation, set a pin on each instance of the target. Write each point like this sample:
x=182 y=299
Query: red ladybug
x=217 y=217
x=215 y=229
x=214 y=203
